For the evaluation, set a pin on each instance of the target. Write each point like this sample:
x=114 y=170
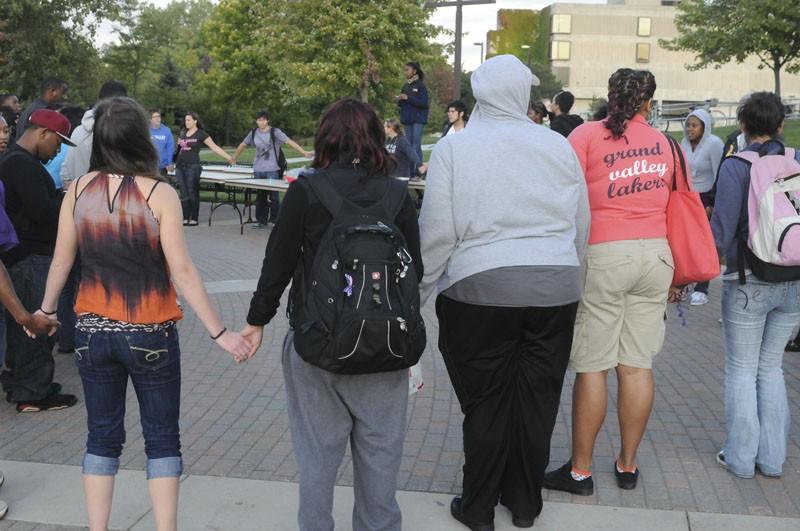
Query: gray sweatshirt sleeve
x=583 y=216
x=436 y=222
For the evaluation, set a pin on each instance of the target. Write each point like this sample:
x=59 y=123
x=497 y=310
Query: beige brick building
x=587 y=42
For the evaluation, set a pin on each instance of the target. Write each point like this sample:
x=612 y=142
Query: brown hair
x=348 y=131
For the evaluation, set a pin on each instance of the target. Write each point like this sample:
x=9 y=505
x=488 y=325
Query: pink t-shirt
x=628 y=179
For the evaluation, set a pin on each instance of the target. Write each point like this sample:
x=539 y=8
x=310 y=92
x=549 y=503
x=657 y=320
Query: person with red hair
x=326 y=409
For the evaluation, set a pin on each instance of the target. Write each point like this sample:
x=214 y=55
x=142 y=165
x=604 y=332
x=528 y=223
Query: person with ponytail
x=413 y=103
x=628 y=270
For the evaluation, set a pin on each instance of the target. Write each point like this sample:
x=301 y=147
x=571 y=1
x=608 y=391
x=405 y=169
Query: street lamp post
x=458 y=4
x=481 y=45
x=527 y=47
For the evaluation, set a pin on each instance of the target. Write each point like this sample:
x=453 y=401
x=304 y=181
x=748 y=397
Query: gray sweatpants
x=326 y=411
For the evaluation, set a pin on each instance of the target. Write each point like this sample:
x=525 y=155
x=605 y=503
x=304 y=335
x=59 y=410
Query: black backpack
x=359 y=312
x=282 y=164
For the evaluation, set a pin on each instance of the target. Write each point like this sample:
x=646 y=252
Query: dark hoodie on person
x=565 y=123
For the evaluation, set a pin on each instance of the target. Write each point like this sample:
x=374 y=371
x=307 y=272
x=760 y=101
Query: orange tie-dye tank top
x=124 y=274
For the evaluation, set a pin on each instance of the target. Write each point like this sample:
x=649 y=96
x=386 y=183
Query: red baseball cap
x=54 y=121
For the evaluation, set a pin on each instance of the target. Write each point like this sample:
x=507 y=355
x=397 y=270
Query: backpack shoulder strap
x=324 y=191
x=272 y=140
x=395 y=197
x=747 y=156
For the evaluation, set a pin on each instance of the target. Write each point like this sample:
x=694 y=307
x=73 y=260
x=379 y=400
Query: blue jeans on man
x=105 y=361
x=268 y=204
x=758 y=319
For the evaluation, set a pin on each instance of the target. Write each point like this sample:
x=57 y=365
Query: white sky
x=476 y=21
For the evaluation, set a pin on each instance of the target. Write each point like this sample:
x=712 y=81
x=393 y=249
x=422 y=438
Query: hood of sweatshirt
x=502 y=89
x=703 y=116
x=572 y=119
x=705 y=158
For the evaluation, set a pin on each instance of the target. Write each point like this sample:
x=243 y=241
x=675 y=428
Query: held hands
x=677 y=294
x=39 y=324
x=254 y=335
x=237 y=346
x=308 y=154
x=231 y=161
x=402 y=97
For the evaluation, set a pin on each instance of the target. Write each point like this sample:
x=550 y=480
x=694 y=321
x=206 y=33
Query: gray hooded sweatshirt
x=503 y=193
x=76 y=164
x=706 y=157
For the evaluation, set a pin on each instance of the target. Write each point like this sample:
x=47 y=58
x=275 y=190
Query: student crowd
x=566 y=265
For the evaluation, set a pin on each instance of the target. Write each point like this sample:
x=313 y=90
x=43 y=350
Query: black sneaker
x=561 y=479
x=455 y=511
x=793 y=346
x=51 y=403
x=626 y=480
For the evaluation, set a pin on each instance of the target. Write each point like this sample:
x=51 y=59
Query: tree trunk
x=776 y=70
x=363 y=92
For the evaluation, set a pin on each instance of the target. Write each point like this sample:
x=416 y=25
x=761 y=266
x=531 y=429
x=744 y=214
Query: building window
x=559 y=51
x=561 y=23
x=642 y=52
x=643 y=29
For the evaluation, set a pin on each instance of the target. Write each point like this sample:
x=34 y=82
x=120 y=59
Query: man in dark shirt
x=561 y=121
x=53 y=90
x=33 y=205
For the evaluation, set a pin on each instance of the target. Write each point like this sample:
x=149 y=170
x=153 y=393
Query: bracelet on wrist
x=47 y=313
x=214 y=338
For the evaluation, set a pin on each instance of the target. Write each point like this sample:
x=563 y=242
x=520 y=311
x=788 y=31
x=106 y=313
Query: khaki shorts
x=620 y=317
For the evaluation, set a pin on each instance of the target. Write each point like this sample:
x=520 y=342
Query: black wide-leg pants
x=507 y=367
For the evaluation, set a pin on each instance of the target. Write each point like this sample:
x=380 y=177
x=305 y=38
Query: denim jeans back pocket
x=82 y=341
x=149 y=350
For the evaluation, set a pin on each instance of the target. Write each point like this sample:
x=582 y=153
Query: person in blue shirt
x=758 y=317
x=74 y=114
x=163 y=140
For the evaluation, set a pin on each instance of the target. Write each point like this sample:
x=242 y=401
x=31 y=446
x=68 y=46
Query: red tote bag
x=688 y=231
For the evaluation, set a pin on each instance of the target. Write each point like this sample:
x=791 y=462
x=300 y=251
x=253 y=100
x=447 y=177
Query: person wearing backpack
x=348 y=239
x=268 y=163
x=756 y=226
x=505 y=262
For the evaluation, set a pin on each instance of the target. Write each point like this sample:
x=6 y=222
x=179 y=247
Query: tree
x=297 y=57
x=516 y=27
x=51 y=37
x=723 y=30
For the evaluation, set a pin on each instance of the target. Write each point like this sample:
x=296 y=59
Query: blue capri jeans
x=105 y=360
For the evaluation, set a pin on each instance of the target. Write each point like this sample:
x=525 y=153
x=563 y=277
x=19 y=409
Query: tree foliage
x=518 y=27
x=723 y=30
x=297 y=57
x=51 y=37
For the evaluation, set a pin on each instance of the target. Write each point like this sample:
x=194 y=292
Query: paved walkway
x=234 y=421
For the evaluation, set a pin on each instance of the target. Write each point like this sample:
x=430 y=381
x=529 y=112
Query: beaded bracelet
x=47 y=313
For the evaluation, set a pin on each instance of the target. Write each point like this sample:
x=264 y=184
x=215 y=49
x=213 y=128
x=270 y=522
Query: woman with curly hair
x=628 y=270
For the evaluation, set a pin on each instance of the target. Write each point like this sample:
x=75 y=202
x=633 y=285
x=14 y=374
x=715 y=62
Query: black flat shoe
x=521 y=522
x=626 y=480
x=561 y=479
x=455 y=511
